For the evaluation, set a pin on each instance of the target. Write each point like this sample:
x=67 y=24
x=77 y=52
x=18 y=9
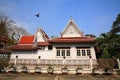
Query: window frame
x=57 y=52
x=88 y=52
x=67 y=52
x=63 y=52
x=83 y=52
x=78 y=52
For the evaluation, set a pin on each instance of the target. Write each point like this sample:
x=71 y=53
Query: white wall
x=51 y=54
x=40 y=37
x=24 y=54
x=71 y=32
x=45 y=54
x=73 y=52
x=71 y=35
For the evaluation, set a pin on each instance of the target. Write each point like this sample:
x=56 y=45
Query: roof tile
x=72 y=39
x=43 y=43
x=23 y=47
x=26 y=40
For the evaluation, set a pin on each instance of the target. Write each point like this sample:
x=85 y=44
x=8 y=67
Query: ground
x=26 y=76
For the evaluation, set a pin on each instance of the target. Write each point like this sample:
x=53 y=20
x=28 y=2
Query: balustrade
x=52 y=62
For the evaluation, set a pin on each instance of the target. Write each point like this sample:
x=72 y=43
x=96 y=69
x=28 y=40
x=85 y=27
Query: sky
x=91 y=16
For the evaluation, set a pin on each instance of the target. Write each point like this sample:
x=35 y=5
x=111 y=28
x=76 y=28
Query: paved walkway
x=25 y=76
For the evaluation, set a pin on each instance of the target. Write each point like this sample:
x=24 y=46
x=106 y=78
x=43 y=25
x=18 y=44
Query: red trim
x=43 y=44
x=72 y=39
x=23 y=47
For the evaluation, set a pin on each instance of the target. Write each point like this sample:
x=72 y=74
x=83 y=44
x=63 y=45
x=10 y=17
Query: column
x=16 y=60
x=64 y=61
x=39 y=60
x=73 y=52
x=91 y=65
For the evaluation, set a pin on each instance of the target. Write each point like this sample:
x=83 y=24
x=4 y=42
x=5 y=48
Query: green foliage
x=105 y=53
x=3 y=63
x=90 y=35
x=116 y=23
x=109 y=43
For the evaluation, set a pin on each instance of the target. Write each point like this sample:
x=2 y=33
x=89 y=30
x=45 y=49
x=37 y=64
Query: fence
x=99 y=63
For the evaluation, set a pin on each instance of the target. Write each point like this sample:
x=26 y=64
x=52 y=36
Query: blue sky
x=91 y=16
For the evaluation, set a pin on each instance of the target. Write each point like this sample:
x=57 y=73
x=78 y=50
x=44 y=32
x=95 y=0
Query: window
x=68 y=53
x=50 y=47
x=58 y=52
x=83 y=53
x=63 y=52
x=78 y=52
x=88 y=53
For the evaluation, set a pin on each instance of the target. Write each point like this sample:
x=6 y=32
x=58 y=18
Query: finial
x=70 y=17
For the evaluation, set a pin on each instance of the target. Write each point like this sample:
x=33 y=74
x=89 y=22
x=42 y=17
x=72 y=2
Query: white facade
x=71 y=30
x=75 y=52
x=51 y=54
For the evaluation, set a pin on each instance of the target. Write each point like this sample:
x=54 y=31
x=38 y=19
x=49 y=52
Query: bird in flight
x=37 y=15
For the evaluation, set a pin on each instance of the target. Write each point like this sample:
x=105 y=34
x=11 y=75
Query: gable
x=41 y=36
x=71 y=30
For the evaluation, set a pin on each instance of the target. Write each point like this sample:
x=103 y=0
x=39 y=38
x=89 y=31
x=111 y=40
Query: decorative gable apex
x=71 y=30
x=41 y=36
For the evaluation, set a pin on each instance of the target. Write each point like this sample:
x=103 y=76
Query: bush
x=4 y=63
x=107 y=64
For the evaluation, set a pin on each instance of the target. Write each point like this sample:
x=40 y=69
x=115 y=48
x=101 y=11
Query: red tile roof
x=43 y=43
x=27 y=40
x=23 y=47
x=71 y=39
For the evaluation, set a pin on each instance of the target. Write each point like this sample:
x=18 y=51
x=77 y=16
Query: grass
x=26 y=76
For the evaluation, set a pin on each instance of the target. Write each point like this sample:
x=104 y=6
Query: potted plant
x=37 y=69
x=50 y=69
x=24 y=69
x=64 y=70
x=79 y=70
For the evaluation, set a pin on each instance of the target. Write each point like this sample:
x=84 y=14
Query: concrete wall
x=24 y=54
x=51 y=54
x=73 y=52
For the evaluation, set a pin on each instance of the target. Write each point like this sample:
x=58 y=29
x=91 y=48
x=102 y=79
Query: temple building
x=72 y=48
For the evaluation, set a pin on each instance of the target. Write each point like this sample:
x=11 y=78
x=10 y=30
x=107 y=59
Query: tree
x=116 y=25
x=5 y=21
x=102 y=46
x=90 y=35
x=108 y=44
x=115 y=41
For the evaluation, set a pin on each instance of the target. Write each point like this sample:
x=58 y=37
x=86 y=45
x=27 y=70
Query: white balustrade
x=53 y=62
